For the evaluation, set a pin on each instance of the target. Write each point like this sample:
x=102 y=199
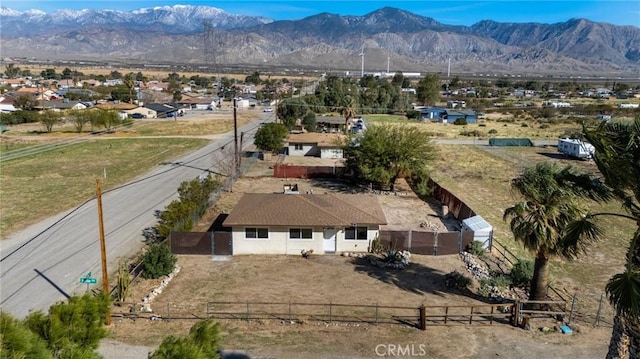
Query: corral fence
x=419 y=317
x=426 y=242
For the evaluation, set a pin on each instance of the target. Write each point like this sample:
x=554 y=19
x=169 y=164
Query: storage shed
x=482 y=230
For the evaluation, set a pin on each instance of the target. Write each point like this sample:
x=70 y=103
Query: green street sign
x=88 y=280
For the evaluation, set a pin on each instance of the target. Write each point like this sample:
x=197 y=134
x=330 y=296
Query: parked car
x=268 y=109
x=138 y=115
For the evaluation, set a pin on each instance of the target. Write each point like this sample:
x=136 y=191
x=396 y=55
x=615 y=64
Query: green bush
x=521 y=273
x=460 y=122
x=493 y=131
x=457 y=280
x=158 y=261
x=476 y=248
x=203 y=342
x=413 y=115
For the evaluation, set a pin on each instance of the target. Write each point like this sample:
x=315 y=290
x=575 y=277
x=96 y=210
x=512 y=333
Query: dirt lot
x=323 y=279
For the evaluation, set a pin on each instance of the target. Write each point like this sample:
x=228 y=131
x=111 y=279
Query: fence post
x=515 y=312
x=289 y=311
x=330 y=311
x=471 y=315
x=573 y=304
x=446 y=314
x=423 y=317
x=599 y=309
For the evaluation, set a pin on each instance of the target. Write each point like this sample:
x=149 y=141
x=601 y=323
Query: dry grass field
x=338 y=279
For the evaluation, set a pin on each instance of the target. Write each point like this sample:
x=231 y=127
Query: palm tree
x=551 y=201
x=617 y=155
x=348 y=111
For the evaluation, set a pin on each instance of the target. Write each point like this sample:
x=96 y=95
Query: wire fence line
x=326 y=312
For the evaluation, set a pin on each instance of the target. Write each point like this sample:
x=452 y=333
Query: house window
x=256 y=233
x=298 y=146
x=300 y=233
x=355 y=233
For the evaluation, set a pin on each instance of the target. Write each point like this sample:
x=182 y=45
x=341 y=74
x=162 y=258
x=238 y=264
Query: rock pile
x=353 y=254
x=146 y=301
x=392 y=260
x=478 y=270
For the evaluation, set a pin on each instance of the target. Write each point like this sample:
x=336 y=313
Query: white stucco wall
x=355 y=245
x=307 y=150
x=280 y=243
x=331 y=153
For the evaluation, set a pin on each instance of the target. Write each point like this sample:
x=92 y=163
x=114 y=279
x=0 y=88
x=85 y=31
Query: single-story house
x=64 y=105
x=6 y=104
x=279 y=223
x=323 y=145
x=200 y=103
x=161 y=110
x=330 y=123
x=443 y=115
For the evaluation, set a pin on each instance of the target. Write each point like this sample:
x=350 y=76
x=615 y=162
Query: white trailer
x=575 y=148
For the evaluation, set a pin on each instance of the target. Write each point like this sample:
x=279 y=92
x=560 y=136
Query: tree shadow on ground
x=560 y=156
x=415 y=278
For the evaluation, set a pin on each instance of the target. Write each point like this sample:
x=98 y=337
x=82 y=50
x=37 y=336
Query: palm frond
x=577 y=235
x=623 y=291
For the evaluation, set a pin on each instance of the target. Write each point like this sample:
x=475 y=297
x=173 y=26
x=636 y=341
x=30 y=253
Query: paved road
x=43 y=263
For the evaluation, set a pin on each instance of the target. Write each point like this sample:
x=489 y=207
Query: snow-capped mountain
x=177 y=19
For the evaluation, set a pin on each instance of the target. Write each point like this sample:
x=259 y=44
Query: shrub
x=460 y=122
x=493 y=131
x=521 y=273
x=457 y=280
x=158 y=261
x=413 y=115
x=544 y=126
x=476 y=248
x=524 y=125
x=203 y=342
x=376 y=246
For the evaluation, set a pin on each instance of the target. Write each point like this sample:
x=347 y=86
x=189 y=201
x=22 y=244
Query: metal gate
x=222 y=244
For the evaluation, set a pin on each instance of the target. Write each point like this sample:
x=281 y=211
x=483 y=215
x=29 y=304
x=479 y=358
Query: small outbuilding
x=482 y=230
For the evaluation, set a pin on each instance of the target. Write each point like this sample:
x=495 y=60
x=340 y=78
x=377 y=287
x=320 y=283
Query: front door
x=329 y=240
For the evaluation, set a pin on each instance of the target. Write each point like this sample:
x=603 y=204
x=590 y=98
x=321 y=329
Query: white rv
x=575 y=148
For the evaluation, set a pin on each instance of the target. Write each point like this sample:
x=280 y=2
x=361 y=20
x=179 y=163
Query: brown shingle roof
x=320 y=139
x=308 y=210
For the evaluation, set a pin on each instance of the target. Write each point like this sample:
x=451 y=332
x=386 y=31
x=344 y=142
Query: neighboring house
x=439 y=114
x=323 y=145
x=6 y=104
x=330 y=123
x=64 y=105
x=200 y=103
x=278 y=223
x=143 y=110
x=162 y=110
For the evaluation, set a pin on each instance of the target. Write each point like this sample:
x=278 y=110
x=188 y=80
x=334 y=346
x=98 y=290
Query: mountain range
x=388 y=37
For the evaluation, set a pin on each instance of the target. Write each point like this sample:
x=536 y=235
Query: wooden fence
x=419 y=317
x=426 y=242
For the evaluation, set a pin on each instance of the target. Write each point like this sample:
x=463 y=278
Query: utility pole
x=235 y=135
x=103 y=252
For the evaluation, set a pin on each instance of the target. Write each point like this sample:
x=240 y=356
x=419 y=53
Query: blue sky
x=619 y=12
